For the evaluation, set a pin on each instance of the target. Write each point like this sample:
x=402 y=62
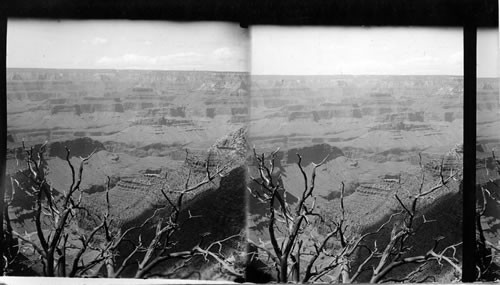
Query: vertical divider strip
x=468 y=185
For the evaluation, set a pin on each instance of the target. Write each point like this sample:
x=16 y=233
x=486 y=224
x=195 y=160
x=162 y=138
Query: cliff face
x=323 y=98
x=134 y=109
x=296 y=111
x=53 y=105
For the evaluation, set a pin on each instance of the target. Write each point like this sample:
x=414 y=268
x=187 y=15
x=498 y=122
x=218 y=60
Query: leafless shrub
x=486 y=251
x=295 y=253
x=61 y=248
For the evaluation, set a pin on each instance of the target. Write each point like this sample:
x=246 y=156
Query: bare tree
x=53 y=214
x=295 y=256
x=485 y=250
x=160 y=249
x=61 y=251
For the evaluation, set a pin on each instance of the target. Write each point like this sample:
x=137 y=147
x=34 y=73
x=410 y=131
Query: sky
x=487 y=53
x=122 y=44
x=356 y=50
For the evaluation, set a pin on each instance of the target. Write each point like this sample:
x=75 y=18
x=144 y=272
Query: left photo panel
x=126 y=149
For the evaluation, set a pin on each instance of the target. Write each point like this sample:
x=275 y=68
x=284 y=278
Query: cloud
x=223 y=53
x=172 y=61
x=98 y=41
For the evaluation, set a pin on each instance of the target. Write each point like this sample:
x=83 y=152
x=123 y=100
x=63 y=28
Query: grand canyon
x=149 y=130
x=380 y=136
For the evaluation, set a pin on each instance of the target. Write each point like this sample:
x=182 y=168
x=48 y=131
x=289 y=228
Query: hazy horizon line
x=126 y=69
x=232 y=71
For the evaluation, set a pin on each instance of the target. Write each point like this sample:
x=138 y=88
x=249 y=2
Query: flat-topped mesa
x=44 y=84
x=170 y=76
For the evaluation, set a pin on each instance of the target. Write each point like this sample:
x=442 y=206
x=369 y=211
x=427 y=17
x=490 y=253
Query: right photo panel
x=487 y=157
x=356 y=168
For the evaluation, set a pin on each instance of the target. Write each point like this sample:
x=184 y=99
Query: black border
x=482 y=13
x=469 y=14
x=378 y=12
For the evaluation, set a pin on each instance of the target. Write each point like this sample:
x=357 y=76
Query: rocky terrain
x=135 y=193
x=370 y=113
x=372 y=128
x=487 y=169
x=375 y=131
x=488 y=122
x=147 y=130
x=144 y=113
x=150 y=129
